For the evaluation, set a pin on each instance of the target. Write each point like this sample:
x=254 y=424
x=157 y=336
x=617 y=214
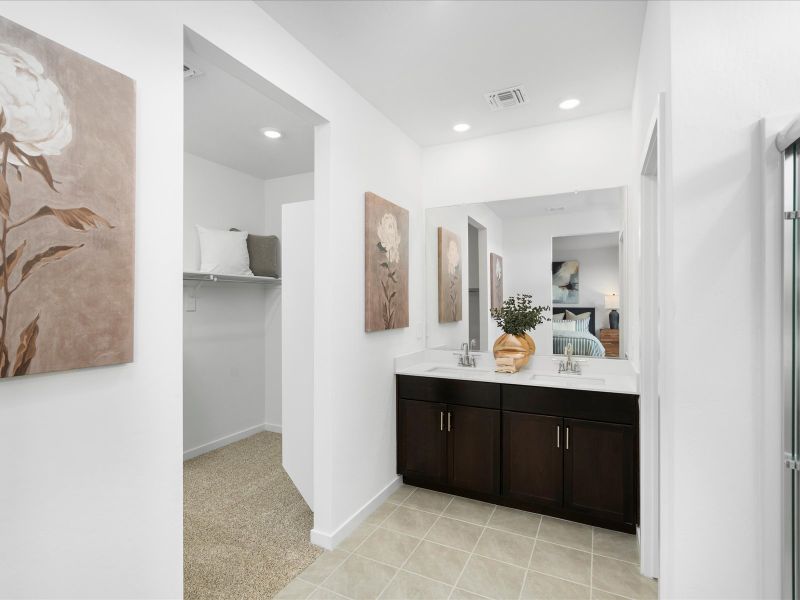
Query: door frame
x=654 y=309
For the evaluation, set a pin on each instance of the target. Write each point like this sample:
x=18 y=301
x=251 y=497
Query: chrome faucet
x=465 y=359
x=569 y=365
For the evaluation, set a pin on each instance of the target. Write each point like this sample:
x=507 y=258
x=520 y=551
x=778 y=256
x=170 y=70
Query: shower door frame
x=791 y=374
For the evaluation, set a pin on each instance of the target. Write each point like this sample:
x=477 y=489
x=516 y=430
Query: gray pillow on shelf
x=265 y=254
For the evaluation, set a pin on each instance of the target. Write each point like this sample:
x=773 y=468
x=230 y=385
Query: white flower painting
x=496 y=277
x=385 y=264
x=67 y=150
x=450 y=291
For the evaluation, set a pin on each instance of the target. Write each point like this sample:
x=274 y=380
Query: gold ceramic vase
x=518 y=347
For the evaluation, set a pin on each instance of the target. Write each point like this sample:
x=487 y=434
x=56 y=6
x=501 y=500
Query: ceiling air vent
x=189 y=72
x=502 y=99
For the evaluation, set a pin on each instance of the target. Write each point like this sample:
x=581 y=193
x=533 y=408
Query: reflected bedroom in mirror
x=565 y=251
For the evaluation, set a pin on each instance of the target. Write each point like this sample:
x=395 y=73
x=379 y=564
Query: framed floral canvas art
x=449 y=245
x=385 y=264
x=67 y=177
x=496 y=279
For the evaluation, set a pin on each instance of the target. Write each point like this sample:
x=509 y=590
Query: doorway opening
x=477 y=284
x=249 y=188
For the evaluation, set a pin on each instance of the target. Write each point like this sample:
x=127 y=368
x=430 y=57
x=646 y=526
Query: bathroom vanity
x=565 y=446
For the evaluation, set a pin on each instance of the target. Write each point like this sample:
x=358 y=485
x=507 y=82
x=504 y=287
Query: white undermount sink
x=458 y=371
x=572 y=379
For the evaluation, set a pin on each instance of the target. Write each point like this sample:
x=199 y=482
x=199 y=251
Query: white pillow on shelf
x=223 y=252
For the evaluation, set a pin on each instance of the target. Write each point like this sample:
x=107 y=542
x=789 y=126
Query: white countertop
x=597 y=374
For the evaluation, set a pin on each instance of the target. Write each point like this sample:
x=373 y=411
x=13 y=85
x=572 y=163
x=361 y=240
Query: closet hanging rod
x=220 y=278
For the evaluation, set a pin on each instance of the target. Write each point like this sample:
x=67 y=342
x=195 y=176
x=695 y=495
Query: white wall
x=527 y=264
x=455 y=219
x=599 y=275
x=90 y=460
x=731 y=64
x=298 y=383
x=98 y=452
x=224 y=388
x=277 y=192
x=582 y=154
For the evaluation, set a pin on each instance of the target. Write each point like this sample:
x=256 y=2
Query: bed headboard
x=557 y=310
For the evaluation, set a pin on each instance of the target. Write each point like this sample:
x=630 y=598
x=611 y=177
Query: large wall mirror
x=566 y=250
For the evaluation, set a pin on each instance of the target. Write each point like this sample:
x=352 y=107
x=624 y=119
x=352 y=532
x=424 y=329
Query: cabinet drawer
x=577 y=404
x=451 y=391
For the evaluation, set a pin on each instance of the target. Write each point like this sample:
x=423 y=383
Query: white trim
x=273 y=428
x=775 y=539
x=329 y=541
x=652 y=178
x=788 y=135
x=229 y=439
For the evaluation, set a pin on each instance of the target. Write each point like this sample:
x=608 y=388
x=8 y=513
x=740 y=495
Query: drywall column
x=297 y=346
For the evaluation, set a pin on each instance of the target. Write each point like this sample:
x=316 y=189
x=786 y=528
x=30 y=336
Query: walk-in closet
x=247 y=280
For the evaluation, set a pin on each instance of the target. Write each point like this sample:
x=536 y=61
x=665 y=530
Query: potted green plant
x=516 y=317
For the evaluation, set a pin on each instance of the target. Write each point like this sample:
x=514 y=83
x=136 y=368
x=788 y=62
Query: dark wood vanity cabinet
x=562 y=452
x=449 y=445
x=599 y=469
x=424 y=447
x=473 y=443
x=533 y=458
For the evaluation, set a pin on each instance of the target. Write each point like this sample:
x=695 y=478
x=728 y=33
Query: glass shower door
x=791 y=328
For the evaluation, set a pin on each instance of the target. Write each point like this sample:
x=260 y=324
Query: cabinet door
x=422 y=442
x=598 y=469
x=474 y=448
x=532 y=458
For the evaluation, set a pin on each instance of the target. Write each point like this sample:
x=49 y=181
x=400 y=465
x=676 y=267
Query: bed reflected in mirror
x=585 y=294
x=562 y=249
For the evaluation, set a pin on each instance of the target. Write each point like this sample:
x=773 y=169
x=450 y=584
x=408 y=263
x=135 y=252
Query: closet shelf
x=220 y=278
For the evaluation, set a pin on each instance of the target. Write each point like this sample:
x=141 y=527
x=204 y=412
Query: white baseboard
x=273 y=428
x=229 y=439
x=329 y=541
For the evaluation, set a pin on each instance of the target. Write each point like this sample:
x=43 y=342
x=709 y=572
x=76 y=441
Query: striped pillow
x=565 y=325
x=581 y=324
x=582 y=320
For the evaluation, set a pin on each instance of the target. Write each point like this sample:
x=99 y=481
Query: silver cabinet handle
x=449 y=414
x=567 y=446
x=441 y=420
x=558 y=436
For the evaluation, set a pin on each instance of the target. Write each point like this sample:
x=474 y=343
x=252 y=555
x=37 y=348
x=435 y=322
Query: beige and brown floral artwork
x=385 y=264
x=450 y=290
x=67 y=175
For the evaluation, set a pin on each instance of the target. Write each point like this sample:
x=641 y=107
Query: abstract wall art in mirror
x=67 y=190
x=385 y=264
x=496 y=278
x=565 y=282
x=450 y=291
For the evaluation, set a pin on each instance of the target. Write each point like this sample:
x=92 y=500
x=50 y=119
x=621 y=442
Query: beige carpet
x=245 y=525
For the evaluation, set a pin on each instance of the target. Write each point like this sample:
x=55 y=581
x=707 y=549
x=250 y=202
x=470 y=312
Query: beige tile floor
x=423 y=544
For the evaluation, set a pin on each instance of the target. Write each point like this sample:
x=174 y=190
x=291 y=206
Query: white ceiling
x=604 y=200
x=427 y=64
x=223 y=119
x=589 y=241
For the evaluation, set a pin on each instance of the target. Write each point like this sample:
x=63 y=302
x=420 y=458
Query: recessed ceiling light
x=272 y=134
x=461 y=127
x=569 y=104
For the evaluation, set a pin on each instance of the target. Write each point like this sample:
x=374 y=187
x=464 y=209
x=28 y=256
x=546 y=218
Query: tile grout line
x=591 y=568
x=472 y=553
x=530 y=560
x=400 y=568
